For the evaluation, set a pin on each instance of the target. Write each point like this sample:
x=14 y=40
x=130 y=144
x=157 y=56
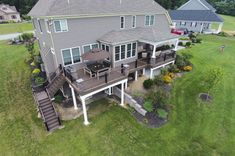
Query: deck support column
x=202 y=25
x=126 y=85
x=74 y=98
x=122 y=95
x=110 y=91
x=136 y=75
x=151 y=73
x=176 y=45
x=86 y=122
x=144 y=71
x=220 y=27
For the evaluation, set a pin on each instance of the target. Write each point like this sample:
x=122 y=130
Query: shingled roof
x=151 y=34
x=94 y=7
x=195 y=15
x=208 y=5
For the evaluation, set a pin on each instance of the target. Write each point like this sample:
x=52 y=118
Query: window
x=89 y=47
x=128 y=51
x=1 y=18
x=105 y=47
x=149 y=20
x=71 y=56
x=60 y=26
x=13 y=16
x=183 y=23
x=133 y=21
x=122 y=22
x=193 y=24
x=40 y=26
x=134 y=49
x=123 y=51
x=117 y=53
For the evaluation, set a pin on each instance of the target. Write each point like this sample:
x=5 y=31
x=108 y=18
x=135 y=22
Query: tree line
x=226 y=7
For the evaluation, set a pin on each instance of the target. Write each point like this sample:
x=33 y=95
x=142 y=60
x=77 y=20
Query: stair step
x=53 y=128
x=51 y=118
x=43 y=100
x=46 y=109
x=53 y=121
x=49 y=112
x=52 y=125
x=41 y=105
x=49 y=115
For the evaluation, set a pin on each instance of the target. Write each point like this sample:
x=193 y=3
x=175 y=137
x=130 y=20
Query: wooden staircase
x=55 y=84
x=47 y=111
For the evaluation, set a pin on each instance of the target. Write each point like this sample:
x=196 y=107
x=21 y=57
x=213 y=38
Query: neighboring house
x=9 y=13
x=197 y=16
x=131 y=31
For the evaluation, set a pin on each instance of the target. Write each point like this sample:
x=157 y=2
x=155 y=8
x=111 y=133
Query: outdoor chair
x=89 y=72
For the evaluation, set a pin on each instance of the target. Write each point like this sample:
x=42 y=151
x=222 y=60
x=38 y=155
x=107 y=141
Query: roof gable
x=94 y=7
x=197 y=5
x=7 y=9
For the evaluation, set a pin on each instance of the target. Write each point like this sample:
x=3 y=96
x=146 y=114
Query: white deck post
x=151 y=73
x=176 y=45
x=74 y=98
x=122 y=95
x=202 y=25
x=144 y=71
x=136 y=75
x=126 y=85
x=220 y=27
x=86 y=122
x=154 y=50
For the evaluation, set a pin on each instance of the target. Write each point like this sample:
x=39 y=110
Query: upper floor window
x=122 y=22
x=133 y=21
x=89 y=47
x=149 y=20
x=61 y=26
x=39 y=25
x=71 y=56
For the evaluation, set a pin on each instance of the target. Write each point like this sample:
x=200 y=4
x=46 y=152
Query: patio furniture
x=98 y=69
x=144 y=55
x=158 y=53
x=88 y=71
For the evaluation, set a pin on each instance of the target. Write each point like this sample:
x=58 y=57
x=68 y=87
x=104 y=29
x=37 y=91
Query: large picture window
x=149 y=20
x=60 y=26
x=71 y=56
x=125 y=51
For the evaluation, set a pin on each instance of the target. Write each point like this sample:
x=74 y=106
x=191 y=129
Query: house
x=74 y=34
x=9 y=13
x=196 y=16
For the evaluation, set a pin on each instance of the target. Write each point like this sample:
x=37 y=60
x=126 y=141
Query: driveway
x=11 y=36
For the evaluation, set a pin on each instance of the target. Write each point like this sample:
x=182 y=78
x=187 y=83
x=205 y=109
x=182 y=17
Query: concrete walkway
x=12 y=36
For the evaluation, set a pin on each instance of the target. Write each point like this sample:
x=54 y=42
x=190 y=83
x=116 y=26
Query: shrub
x=162 y=113
x=188 y=44
x=223 y=34
x=198 y=40
x=164 y=71
x=158 y=80
x=148 y=105
x=188 y=68
x=180 y=62
x=173 y=68
x=36 y=72
x=167 y=79
x=26 y=17
x=181 y=44
x=58 y=99
x=39 y=80
x=33 y=64
x=172 y=75
x=27 y=36
x=148 y=83
x=192 y=36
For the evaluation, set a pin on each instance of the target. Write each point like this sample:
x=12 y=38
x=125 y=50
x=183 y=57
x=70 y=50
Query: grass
x=11 y=28
x=229 y=24
x=193 y=129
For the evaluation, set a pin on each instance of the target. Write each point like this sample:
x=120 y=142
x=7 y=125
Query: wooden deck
x=84 y=84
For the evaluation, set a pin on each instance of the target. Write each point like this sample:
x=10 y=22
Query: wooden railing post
x=136 y=63
x=106 y=77
x=122 y=68
x=164 y=57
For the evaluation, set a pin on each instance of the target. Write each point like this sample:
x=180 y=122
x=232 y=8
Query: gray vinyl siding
x=47 y=56
x=193 y=5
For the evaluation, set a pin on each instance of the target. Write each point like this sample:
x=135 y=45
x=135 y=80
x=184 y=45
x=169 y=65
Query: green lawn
x=229 y=23
x=194 y=129
x=15 y=28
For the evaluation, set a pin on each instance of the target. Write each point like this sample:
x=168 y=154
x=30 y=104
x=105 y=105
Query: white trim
x=70 y=50
x=132 y=21
x=61 y=31
x=39 y=25
x=124 y=22
x=149 y=23
x=47 y=26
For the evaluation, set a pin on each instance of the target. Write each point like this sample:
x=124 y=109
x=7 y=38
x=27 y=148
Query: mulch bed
x=151 y=119
x=205 y=97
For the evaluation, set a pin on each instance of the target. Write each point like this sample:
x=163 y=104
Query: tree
x=212 y=78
